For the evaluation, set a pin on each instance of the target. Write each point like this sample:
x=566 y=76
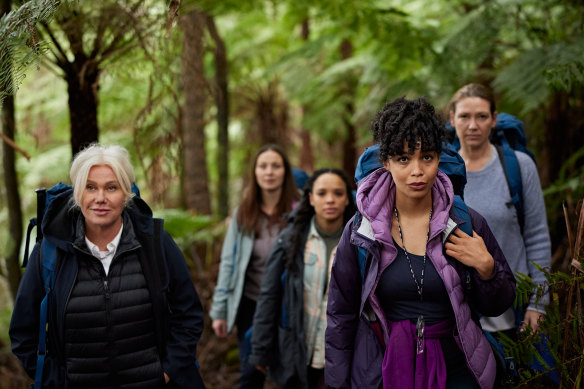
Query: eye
x=463 y=116
x=428 y=157
x=112 y=188
x=484 y=117
x=402 y=159
x=89 y=187
x=340 y=193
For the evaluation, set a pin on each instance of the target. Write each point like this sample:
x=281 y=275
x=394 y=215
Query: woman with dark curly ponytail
x=405 y=277
x=290 y=319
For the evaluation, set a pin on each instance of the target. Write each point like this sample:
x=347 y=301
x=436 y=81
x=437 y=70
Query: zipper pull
x=106 y=288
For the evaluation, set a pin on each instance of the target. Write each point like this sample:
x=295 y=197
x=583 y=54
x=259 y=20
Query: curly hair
x=304 y=212
x=413 y=121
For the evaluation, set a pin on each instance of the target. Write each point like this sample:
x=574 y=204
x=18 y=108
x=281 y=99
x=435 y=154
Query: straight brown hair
x=473 y=90
x=250 y=209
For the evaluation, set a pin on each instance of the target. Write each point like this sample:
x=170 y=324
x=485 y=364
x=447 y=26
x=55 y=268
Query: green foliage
x=186 y=228
x=5 y=315
x=562 y=329
x=19 y=44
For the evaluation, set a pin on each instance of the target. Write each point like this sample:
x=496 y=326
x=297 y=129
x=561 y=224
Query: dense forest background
x=192 y=88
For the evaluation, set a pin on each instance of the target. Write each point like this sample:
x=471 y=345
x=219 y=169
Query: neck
x=270 y=200
x=328 y=226
x=476 y=158
x=102 y=236
x=413 y=207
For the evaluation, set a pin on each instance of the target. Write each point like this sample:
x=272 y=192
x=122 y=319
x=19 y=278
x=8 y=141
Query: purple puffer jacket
x=354 y=351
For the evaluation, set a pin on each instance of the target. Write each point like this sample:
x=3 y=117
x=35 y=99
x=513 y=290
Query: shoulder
x=528 y=171
x=288 y=231
x=524 y=160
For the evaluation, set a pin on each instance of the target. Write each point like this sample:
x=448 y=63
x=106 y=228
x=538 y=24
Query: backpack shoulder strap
x=512 y=173
x=155 y=272
x=47 y=259
x=461 y=211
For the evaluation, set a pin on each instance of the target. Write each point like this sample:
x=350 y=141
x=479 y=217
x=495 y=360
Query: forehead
x=473 y=104
x=328 y=181
x=101 y=173
x=269 y=156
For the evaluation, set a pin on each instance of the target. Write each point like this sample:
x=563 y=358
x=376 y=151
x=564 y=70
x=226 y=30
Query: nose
x=472 y=124
x=100 y=196
x=417 y=168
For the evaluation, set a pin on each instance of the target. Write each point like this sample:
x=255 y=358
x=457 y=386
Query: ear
x=310 y=199
x=451 y=114
x=494 y=119
x=387 y=166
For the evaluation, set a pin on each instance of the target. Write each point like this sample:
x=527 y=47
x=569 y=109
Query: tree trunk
x=272 y=115
x=82 y=86
x=562 y=140
x=13 y=274
x=222 y=102
x=196 y=183
x=348 y=93
x=306 y=154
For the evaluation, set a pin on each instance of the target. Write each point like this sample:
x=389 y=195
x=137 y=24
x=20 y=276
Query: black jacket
x=282 y=347
x=176 y=306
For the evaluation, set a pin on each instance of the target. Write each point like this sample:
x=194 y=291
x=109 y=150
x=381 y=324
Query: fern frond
x=19 y=44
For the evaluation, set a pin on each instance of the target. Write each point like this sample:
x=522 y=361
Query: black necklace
x=420 y=285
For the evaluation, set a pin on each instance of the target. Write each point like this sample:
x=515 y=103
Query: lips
x=100 y=212
x=417 y=185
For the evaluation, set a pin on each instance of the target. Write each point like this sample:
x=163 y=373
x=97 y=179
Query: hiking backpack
x=47 y=259
x=507 y=136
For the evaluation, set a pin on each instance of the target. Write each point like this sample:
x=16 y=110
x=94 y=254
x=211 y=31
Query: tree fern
x=19 y=43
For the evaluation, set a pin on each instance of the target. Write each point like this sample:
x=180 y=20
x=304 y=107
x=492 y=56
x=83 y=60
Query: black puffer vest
x=110 y=337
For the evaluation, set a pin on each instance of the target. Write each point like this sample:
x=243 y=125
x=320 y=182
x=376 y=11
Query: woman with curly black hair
x=405 y=277
x=290 y=319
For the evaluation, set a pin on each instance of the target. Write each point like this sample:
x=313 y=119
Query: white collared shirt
x=105 y=256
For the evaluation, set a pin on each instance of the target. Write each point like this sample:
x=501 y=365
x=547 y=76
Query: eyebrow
x=107 y=183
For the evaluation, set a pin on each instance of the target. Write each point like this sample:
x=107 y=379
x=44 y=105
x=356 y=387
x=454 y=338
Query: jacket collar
x=64 y=224
x=375 y=199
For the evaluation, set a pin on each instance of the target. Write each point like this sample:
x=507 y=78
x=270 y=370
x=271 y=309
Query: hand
x=261 y=368
x=471 y=251
x=166 y=378
x=533 y=320
x=220 y=328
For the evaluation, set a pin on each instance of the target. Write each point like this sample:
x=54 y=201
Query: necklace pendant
x=420 y=335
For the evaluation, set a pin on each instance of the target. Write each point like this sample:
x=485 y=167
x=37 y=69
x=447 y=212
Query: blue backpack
x=507 y=136
x=48 y=254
